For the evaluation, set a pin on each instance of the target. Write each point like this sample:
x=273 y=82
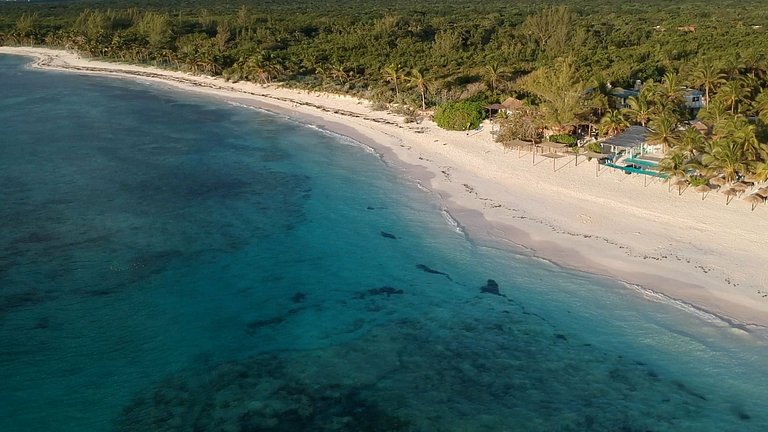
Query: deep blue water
x=170 y=262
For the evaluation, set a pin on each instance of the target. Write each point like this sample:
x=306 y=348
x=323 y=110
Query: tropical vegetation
x=563 y=58
x=463 y=115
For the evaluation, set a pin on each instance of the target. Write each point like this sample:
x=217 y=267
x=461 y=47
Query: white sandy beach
x=700 y=252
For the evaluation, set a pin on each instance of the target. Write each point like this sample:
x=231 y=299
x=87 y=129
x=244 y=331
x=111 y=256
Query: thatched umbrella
x=740 y=187
x=718 y=181
x=703 y=190
x=598 y=157
x=554 y=157
x=762 y=192
x=754 y=199
x=671 y=181
x=521 y=145
x=729 y=194
x=750 y=178
x=681 y=183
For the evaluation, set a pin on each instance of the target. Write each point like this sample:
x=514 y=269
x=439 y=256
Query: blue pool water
x=642 y=162
x=630 y=170
x=170 y=262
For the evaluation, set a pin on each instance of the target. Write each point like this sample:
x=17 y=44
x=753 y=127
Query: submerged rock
x=255 y=325
x=256 y=395
x=490 y=287
x=387 y=378
x=426 y=269
x=385 y=290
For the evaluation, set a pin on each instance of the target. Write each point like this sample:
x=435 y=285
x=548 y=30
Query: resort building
x=694 y=101
x=633 y=154
x=617 y=98
x=634 y=139
x=509 y=106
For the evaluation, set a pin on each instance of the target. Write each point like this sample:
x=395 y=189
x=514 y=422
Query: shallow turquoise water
x=171 y=262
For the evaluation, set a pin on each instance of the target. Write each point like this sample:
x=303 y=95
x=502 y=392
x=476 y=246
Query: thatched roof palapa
x=701 y=127
x=729 y=193
x=512 y=104
x=553 y=145
x=703 y=190
x=593 y=155
x=718 y=181
x=754 y=199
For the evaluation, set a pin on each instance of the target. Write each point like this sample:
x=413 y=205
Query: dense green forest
x=562 y=58
x=346 y=44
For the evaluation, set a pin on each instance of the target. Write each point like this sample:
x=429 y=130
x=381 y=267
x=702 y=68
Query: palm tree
x=640 y=108
x=669 y=94
x=740 y=131
x=324 y=73
x=256 y=69
x=752 y=86
x=28 y=27
x=732 y=68
x=598 y=98
x=691 y=143
x=417 y=80
x=673 y=165
x=244 y=19
x=339 y=73
x=706 y=75
x=713 y=113
x=761 y=106
x=393 y=74
x=726 y=158
x=493 y=73
x=755 y=66
x=664 y=131
x=732 y=93
x=760 y=170
x=613 y=122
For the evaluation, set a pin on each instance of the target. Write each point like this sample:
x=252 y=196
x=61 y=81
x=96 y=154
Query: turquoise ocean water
x=170 y=262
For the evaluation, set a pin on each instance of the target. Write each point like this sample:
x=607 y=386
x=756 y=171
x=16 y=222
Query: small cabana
x=599 y=158
x=494 y=109
x=634 y=137
x=553 y=146
x=554 y=157
x=553 y=150
x=512 y=104
x=701 y=127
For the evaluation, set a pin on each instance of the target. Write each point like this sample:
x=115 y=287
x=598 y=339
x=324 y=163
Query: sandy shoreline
x=700 y=252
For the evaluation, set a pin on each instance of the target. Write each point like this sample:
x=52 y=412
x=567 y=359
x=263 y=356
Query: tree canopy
x=461 y=47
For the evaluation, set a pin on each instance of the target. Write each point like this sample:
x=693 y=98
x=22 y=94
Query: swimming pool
x=631 y=170
x=640 y=162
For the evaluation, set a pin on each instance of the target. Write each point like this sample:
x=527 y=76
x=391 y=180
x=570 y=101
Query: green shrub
x=402 y=110
x=697 y=181
x=379 y=106
x=566 y=139
x=595 y=147
x=463 y=115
